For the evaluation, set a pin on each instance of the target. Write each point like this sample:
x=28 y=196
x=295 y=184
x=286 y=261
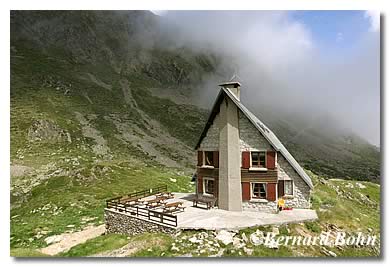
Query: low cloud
x=374 y=17
x=282 y=67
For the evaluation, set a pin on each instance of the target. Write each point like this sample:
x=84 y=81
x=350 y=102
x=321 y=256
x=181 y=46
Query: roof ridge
x=271 y=138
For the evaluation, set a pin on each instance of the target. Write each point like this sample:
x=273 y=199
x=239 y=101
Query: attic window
x=208 y=158
x=258 y=159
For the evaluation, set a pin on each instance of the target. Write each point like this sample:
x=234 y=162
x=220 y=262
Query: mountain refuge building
x=241 y=162
x=242 y=167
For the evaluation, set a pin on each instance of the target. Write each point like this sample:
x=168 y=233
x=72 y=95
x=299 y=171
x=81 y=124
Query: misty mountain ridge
x=111 y=86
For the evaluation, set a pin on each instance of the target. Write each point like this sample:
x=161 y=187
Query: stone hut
x=243 y=164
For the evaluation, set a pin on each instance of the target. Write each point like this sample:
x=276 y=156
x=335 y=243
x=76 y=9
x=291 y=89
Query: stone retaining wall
x=120 y=223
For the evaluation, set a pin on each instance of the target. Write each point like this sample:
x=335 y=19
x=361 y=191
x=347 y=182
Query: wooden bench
x=208 y=201
x=156 y=202
x=165 y=194
x=173 y=207
x=125 y=200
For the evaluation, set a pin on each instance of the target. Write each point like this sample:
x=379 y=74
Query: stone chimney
x=233 y=87
x=229 y=185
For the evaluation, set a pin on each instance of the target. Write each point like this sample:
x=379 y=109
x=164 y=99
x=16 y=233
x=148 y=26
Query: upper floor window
x=209 y=158
x=258 y=159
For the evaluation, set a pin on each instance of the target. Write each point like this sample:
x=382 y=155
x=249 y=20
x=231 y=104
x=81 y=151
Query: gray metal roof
x=262 y=128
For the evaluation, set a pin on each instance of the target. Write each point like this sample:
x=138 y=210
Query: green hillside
x=341 y=206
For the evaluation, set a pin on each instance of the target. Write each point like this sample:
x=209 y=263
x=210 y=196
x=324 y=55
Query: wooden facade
x=269 y=176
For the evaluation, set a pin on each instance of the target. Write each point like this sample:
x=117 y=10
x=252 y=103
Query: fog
x=282 y=68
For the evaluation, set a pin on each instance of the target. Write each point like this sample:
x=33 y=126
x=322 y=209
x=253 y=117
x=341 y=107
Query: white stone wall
x=211 y=141
x=268 y=207
x=250 y=137
x=301 y=198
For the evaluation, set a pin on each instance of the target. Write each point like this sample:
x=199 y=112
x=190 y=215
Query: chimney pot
x=234 y=88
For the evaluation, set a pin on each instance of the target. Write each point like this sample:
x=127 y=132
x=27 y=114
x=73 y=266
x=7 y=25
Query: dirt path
x=69 y=240
x=130 y=249
x=124 y=251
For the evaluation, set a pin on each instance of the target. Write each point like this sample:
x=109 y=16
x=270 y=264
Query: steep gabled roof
x=260 y=126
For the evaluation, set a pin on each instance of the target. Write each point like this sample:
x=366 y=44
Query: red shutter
x=246 y=191
x=245 y=159
x=271 y=192
x=216 y=159
x=271 y=160
x=280 y=188
x=200 y=158
x=200 y=184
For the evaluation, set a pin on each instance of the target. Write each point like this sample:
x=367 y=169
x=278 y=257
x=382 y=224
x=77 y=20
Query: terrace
x=177 y=210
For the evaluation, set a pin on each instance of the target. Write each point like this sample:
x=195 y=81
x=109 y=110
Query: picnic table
x=173 y=206
x=165 y=194
x=156 y=201
x=208 y=201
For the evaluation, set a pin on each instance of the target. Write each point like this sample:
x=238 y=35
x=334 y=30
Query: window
x=208 y=158
x=288 y=188
x=208 y=185
x=258 y=159
x=259 y=190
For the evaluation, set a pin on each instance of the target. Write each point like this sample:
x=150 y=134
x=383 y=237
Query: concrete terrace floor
x=216 y=219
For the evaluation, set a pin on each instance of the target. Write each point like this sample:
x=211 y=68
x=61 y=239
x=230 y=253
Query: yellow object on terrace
x=280 y=202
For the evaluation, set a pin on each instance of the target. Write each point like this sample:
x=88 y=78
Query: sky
x=313 y=63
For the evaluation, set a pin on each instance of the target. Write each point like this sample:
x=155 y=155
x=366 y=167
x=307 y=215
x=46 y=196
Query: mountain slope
x=84 y=127
x=325 y=148
x=69 y=82
x=109 y=63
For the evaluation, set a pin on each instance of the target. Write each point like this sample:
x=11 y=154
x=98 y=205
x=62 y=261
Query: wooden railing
x=141 y=194
x=143 y=212
x=152 y=215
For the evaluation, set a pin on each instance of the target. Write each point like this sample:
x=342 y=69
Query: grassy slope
x=81 y=192
x=344 y=210
x=97 y=245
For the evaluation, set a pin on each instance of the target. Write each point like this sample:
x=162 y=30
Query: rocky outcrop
x=47 y=131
